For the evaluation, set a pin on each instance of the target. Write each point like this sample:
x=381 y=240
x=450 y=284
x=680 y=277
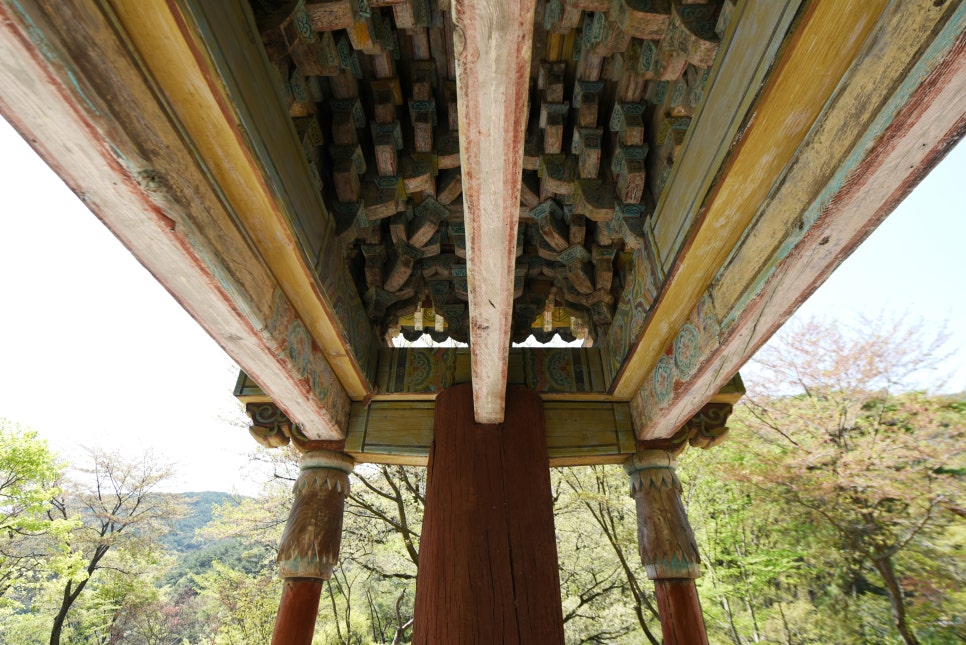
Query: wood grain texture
x=309 y=547
x=79 y=97
x=488 y=558
x=665 y=538
x=577 y=433
x=492 y=42
x=747 y=49
x=679 y=610
x=252 y=155
x=892 y=143
x=297 y=611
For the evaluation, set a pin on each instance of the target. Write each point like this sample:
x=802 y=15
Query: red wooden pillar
x=488 y=555
x=310 y=544
x=668 y=549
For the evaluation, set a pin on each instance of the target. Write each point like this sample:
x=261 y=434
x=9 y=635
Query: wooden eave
x=818 y=117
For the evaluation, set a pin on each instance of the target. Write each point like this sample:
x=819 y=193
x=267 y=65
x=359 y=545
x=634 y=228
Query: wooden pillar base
x=488 y=555
x=295 y=621
x=679 y=609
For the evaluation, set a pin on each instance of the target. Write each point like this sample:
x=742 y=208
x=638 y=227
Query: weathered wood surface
x=492 y=47
x=668 y=550
x=309 y=547
x=488 y=557
x=552 y=372
x=395 y=430
x=879 y=133
x=664 y=535
x=297 y=611
x=231 y=119
x=679 y=610
x=577 y=433
x=74 y=90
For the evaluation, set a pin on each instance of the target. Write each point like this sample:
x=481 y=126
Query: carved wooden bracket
x=704 y=430
x=270 y=426
x=707 y=428
x=313 y=533
x=667 y=545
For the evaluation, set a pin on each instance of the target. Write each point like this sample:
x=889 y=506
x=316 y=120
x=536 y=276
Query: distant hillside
x=181 y=539
x=195 y=555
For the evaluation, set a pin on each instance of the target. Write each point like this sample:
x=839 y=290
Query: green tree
x=29 y=472
x=606 y=596
x=120 y=513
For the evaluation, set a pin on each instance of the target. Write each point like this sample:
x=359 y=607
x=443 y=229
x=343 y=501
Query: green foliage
x=833 y=513
x=239 y=608
x=29 y=475
x=28 y=472
x=198 y=512
x=835 y=501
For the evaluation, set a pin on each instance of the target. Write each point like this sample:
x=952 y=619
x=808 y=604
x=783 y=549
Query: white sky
x=94 y=352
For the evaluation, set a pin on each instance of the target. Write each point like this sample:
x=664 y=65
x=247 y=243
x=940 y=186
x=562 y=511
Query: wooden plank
x=74 y=89
x=196 y=55
x=577 y=433
x=923 y=117
x=826 y=41
x=492 y=47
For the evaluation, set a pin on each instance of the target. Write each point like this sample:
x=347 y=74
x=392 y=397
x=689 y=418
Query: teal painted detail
x=926 y=64
x=40 y=40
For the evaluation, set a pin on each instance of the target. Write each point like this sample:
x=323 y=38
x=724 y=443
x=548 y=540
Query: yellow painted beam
x=826 y=40
x=73 y=88
x=173 y=54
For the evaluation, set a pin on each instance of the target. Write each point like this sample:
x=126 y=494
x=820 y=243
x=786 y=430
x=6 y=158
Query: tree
x=605 y=595
x=840 y=439
x=29 y=472
x=119 y=509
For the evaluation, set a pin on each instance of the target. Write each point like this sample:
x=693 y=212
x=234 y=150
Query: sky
x=94 y=352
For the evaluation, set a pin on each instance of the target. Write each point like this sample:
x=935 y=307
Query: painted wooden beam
x=752 y=40
x=74 y=89
x=206 y=61
x=896 y=113
x=828 y=37
x=553 y=372
x=578 y=433
x=492 y=43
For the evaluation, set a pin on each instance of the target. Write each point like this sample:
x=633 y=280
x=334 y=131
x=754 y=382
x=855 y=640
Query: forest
x=833 y=512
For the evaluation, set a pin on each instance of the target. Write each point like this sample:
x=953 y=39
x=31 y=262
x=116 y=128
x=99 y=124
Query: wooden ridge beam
x=73 y=88
x=492 y=42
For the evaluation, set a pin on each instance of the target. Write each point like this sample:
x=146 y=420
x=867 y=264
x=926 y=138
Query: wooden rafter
x=882 y=123
x=73 y=88
x=493 y=45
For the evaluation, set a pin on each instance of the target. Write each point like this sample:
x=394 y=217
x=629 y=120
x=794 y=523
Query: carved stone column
x=668 y=550
x=310 y=544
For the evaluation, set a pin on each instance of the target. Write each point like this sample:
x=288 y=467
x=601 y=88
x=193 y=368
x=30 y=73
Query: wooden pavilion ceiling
x=372 y=93
x=672 y=176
